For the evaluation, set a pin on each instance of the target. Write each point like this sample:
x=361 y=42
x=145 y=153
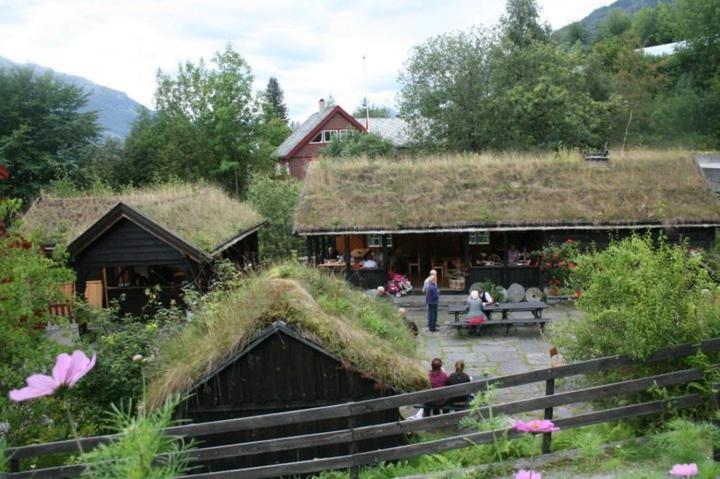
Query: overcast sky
x=314 y=48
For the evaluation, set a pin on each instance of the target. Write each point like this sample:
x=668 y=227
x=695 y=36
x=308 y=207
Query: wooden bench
x=462 y=324
x=534 y=307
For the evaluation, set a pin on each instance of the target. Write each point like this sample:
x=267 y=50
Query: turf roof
x=367 y=335
x=492 y=191
x=203 y=215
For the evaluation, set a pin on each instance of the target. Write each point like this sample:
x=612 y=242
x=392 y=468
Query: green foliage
x=132 y=455
x=359 y=144
x=638 y=297
x=614 y=24
x=43 y=133
x=275 y=200
x=372 y=110
x=273 y=102
x=682 y=441
x=206 y=126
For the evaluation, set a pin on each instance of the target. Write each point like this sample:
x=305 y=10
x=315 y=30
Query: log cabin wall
x=283 y=373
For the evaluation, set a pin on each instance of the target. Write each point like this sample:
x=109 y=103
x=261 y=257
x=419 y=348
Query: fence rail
x=352 y=435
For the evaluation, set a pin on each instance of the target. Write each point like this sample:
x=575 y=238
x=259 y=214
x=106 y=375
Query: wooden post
x=309 y=250
x=14 y=465
x=715 y=420
x=105 y=287
x=346 y=254
x=354 y=470
x=386 y=259
x=549 y=391
x=505 y=274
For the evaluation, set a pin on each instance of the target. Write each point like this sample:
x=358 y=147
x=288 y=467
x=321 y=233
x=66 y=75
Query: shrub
x=639 y=296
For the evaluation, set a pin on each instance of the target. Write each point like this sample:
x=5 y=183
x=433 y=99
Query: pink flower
x=523 y=474
x=536 y=426
x=684 y=470
x=67 y=371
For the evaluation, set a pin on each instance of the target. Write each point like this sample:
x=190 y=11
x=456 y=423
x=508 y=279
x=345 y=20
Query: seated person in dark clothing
x=459 y=377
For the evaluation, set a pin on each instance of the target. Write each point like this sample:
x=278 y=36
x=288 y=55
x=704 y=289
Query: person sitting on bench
x=438 y=379
x=459 y=377
x=475 y=315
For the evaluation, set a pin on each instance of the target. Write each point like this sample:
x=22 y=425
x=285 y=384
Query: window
x=375 y=241
x=318 y=138
x=345 y=134
x=329 y=135
x=479 y=237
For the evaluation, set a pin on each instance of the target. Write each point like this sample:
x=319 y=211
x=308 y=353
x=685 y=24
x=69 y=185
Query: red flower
x=548 y=265
x=561 y=264
x=569 y=240
x=571 y=265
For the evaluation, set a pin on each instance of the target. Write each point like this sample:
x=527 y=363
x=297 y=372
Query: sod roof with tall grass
x=368 y=335
x=202 y=214
x=496 y=190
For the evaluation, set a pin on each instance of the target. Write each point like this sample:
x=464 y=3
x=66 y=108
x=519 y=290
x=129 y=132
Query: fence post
x=715 y=411
x=14 y=465
x=352 y=423
x=549 y=391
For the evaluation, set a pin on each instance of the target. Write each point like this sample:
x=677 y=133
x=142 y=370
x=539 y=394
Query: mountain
x=592 y=21
x=116 y=110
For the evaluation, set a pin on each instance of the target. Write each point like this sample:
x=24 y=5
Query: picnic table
x=536 y=308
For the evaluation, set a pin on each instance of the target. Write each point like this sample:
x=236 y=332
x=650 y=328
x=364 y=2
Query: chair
x=417 y=266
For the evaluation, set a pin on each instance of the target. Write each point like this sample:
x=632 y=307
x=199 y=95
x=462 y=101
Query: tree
x=275 y=199
x=614 y=24
x=43 y=132
x=372 y=110
x=274 y=102
x=359 y=144
x=206 y=126
x=577 y=33
x=520 y=25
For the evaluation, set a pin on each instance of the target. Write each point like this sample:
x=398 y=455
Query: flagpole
x=367 y=103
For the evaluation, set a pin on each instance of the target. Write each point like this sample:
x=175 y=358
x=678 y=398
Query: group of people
x=439 y=378
x=477 y=300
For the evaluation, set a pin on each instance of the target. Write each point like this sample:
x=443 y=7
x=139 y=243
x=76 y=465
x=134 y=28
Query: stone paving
x=492 y=353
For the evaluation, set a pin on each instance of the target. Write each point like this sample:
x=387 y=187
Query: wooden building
x=461 y=215
x=162 y=239
x=266 y=365
x=304 y=144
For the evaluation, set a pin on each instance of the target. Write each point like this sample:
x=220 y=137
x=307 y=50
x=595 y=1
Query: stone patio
x=491 y=353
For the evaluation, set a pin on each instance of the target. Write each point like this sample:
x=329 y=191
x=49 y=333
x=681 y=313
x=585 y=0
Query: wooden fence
x=352 y=435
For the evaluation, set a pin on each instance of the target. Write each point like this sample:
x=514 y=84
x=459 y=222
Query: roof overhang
x=474 y=229
x=239 y=237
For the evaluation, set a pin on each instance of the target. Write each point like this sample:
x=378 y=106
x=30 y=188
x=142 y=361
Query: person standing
x=432 y=298
x=433 y=274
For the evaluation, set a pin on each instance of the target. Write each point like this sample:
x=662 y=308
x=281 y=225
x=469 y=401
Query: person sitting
x=381 y=292
x=459 y=377
x=524 y=255
x=513 y=255
x=475 y=315
x=438 y=379
x=370 y=262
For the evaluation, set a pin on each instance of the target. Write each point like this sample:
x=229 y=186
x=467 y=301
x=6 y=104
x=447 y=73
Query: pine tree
x=274 y=101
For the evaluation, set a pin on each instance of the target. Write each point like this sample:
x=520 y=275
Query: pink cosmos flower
x=536 y=426
x=523 y=474
x=684 y=470
x=67 y=371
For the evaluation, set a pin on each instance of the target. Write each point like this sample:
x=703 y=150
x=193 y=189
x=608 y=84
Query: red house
x=4 y=173
x=308 y=139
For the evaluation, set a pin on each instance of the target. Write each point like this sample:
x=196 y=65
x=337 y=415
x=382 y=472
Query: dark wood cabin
x=128 y=252
x=280 y=370
x=462 y=217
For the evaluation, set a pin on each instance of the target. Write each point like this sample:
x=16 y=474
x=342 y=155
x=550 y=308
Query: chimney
x=321 y=105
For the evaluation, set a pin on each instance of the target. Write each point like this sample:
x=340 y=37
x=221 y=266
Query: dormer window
x=326 y=136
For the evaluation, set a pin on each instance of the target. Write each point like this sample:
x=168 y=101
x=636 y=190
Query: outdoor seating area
x=535 y=308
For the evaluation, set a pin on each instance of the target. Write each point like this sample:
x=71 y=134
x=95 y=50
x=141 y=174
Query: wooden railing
x=352 y=435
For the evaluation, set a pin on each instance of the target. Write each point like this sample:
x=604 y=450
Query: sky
x=315 y=49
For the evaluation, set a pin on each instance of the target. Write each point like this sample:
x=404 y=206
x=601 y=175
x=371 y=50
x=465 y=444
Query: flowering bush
x=398 y=285
x=559 y=261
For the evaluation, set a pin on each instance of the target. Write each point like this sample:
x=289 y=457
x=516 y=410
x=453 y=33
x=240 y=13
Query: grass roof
x=369 y=335
x=495 y=190
x=202 y=214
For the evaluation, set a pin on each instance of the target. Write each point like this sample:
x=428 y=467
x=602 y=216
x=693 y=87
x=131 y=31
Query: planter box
x=456 y=284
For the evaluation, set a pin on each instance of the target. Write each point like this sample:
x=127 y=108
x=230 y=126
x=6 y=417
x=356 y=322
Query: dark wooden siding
x=280 y=374
x=125 y=243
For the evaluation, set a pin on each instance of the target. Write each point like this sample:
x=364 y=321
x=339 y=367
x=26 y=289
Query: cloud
x=313 y=48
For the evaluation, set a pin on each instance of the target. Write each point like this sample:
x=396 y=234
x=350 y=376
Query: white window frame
x=375 y=241
x=313 y=142
x=479 y=238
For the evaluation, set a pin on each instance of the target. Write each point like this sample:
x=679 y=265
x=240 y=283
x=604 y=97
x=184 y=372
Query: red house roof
x=311 y=127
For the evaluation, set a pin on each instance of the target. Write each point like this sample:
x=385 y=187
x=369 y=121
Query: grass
x=659 y=186
x=369 y=335
x=202 y=214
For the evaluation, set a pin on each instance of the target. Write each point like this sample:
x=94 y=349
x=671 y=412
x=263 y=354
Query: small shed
x=165 y=239
x=287 y=352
